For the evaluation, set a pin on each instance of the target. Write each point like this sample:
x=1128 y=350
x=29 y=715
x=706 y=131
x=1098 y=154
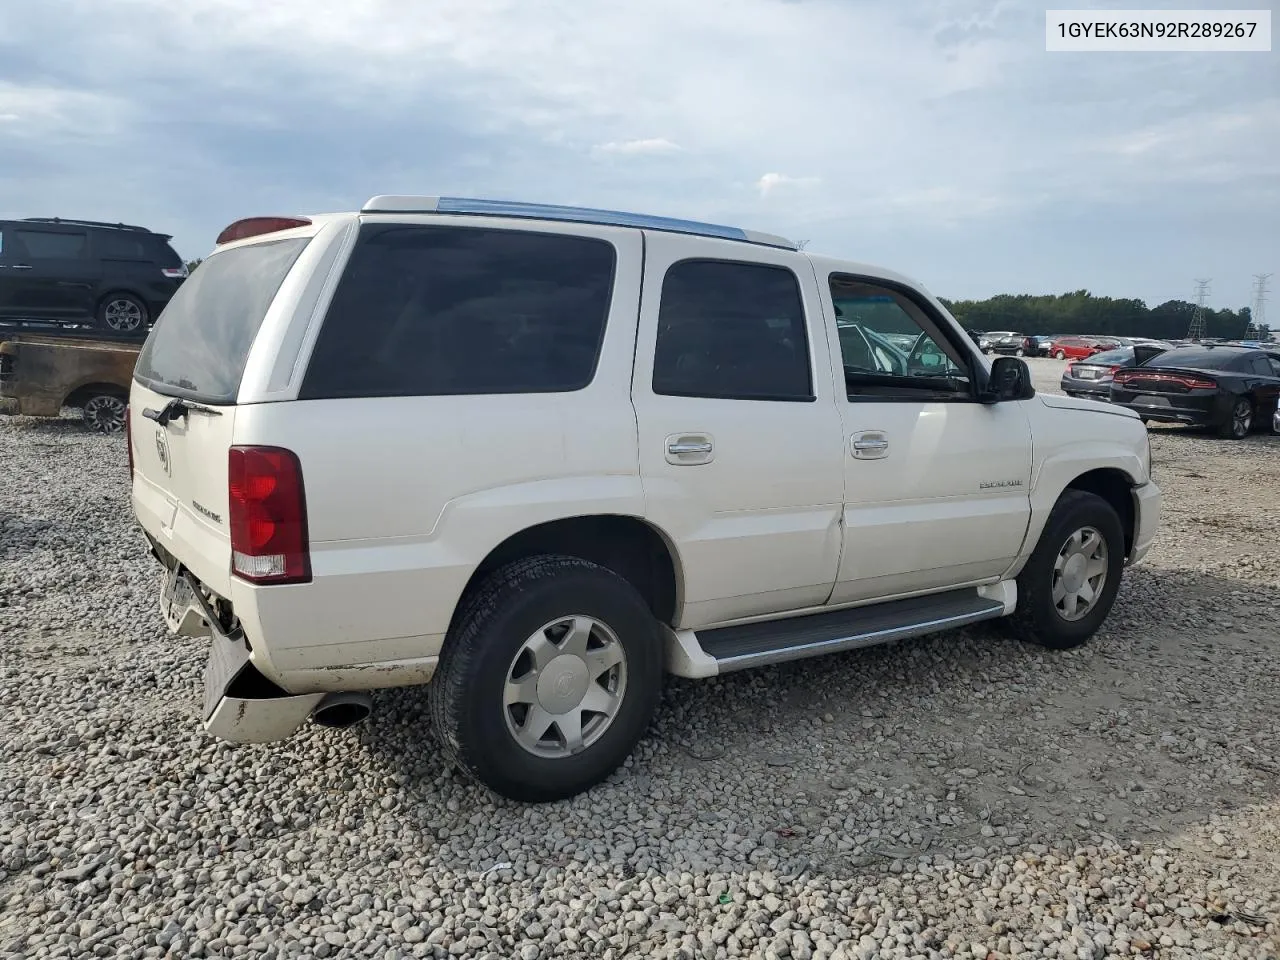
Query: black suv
x=111 y=276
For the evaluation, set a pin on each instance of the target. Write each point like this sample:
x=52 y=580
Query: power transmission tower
x=1197 y=319
x=1258 y=316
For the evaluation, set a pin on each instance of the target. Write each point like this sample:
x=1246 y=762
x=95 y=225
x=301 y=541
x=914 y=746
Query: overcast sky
x=936 y=137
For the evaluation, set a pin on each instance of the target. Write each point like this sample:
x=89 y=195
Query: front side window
x=448 y=311
x=732 y=331
x=48 y=245
x=890 y=346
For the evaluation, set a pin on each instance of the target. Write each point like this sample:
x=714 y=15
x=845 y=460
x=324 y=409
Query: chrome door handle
x=21 y=266
x=871 y=445
x=687 y=449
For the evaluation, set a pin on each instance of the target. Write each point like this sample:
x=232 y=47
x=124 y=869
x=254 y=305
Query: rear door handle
x=688 y=449
x=21 y=266
x=871 y=445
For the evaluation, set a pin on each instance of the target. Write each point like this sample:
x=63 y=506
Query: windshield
x=1197 y=359
x=200 y=344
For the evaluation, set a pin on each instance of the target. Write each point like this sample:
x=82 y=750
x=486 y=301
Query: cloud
x=938 y=121
x=772 y=181
x=653 y=146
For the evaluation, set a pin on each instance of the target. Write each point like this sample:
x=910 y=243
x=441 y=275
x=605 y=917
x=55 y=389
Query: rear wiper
x=175 y=408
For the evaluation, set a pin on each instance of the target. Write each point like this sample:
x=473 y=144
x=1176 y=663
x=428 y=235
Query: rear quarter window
x=199 y=346
x=437 y=311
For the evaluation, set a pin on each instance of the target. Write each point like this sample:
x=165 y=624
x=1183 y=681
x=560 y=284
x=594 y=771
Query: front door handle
x=21 y=266
x=686 y=449
x=871 y=445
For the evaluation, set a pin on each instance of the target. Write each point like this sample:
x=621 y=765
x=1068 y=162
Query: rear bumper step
x=776 y=641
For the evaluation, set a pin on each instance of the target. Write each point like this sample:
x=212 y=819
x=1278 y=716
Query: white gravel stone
x=961 y=796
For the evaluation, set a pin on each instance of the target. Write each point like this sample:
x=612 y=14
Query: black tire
x=123 y=313
x=1239 y=421
x=1019 y=352
x=104 y=412
x=1060 y=355
x=1037 y=618
x=467 y=692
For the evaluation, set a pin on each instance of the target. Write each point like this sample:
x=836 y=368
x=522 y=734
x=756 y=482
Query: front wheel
x=1240 y=421
x=1019 y=352
x=548 y=679
x=1070 y=582
x=1060 y=355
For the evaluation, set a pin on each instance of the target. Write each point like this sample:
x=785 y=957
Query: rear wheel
x=1068 y=586
x=1019 y=352
x=548 y=679
x=104 y=413
x=1239 y=422
x=122 y=312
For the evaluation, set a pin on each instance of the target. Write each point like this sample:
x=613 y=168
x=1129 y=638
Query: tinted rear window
x=201 y=342
x=431 y=311
x=131 y=245
x=1123 y=355
x=1198 y=359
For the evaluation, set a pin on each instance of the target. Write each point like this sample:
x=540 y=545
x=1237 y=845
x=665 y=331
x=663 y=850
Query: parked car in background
x=1091 y=378
x=40 y=375
x=1038 y=346
x=1077 y=348
x=111 y=276
x=1231 y=389
x=535 y=456
x=988 y=339
x=1015 y=344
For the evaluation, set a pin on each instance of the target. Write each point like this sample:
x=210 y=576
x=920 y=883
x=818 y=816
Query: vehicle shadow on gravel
x=945 y=746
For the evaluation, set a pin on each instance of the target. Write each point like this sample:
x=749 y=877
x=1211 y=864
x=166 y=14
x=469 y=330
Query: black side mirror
x=1010 y=380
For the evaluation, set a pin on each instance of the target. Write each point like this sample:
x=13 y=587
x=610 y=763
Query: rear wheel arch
x=78 y=396
x=626 y=545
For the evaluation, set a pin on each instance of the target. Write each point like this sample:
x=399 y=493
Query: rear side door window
x=53 y=245
x=732 y=331
x=448 y=311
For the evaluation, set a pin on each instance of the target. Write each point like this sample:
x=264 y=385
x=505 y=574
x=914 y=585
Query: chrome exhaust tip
x=340 y=710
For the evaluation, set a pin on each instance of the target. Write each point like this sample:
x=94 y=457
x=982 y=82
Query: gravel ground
x=958 y=796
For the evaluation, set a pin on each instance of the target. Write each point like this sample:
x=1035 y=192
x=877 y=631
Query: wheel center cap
x=1073 y=572
x=563 y=684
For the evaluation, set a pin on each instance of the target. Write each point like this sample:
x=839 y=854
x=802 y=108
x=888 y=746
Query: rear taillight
x=268 y=515
x=174 y=273
x=256 y=226
x=1199 y=383
x=128 y=439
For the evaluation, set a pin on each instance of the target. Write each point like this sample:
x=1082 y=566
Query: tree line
x=1082 y=312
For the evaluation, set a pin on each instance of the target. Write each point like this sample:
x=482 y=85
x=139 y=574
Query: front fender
x=1072 y=439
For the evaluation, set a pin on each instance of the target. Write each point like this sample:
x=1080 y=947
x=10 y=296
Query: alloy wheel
x=123 y=314
x=565 y=686
x=104 y=414
x=1080 y=573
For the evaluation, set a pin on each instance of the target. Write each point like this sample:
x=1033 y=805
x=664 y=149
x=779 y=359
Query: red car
x=1081 y=348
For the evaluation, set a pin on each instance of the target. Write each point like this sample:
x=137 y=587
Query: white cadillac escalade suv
x=537 y=456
